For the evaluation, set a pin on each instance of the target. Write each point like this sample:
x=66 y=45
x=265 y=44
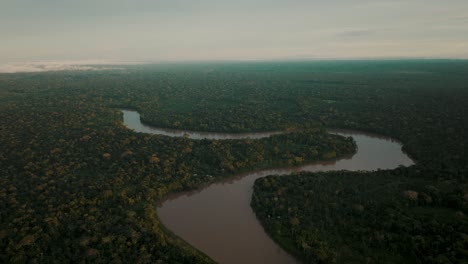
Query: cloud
x=60 y=66
x=357 y=32
x=460 y=18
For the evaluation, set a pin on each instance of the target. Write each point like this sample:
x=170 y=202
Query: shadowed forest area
x=75 y=184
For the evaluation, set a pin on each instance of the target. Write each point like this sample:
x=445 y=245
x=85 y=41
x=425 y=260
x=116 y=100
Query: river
x=218 y=219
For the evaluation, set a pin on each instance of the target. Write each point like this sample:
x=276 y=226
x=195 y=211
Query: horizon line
x=87 y=65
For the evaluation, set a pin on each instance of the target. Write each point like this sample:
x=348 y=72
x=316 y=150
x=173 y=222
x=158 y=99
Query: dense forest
x=388 y=216
x=413 y=215
x=75 y=184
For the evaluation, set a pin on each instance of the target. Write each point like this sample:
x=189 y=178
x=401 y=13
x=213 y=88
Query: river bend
x=218 y=219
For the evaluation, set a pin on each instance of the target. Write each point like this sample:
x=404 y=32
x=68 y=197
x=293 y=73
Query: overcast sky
x=162 y=30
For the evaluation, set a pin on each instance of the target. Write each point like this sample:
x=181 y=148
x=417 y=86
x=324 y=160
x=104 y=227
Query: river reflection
x=219 y=221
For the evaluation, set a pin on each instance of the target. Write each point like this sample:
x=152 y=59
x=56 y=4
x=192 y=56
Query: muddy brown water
x=218 y=219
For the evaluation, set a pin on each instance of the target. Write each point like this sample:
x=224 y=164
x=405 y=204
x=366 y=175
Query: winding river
x=218 y=219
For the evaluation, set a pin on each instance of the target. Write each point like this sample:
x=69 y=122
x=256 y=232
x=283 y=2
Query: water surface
x=132 y=120
x=218 y=219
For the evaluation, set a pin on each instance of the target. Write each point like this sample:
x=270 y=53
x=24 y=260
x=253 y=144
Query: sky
x=177 y=30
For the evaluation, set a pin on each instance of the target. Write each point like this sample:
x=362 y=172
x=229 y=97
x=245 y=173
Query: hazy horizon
x=174 y=31
x=47 y=66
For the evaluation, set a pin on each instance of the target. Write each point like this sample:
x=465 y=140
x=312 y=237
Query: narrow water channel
x=132 y=120
x=218 y=219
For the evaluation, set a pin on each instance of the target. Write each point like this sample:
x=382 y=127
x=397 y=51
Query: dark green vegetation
x=413 y=215
x=380 y=217
x=76 y=185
